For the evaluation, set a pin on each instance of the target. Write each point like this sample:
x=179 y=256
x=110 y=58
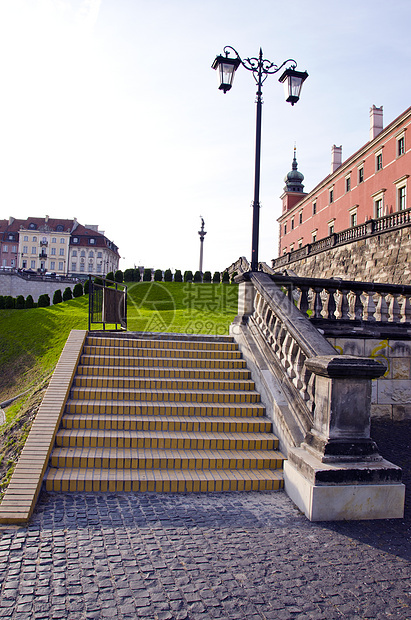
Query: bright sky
x=111 y=113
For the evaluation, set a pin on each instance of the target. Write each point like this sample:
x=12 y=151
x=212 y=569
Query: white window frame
x=401 y=184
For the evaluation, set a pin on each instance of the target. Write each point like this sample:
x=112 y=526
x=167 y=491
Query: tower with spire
x=294 y=188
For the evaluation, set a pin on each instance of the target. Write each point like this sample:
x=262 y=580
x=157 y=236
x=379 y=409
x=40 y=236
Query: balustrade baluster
x=405 y=306
x=393 y=309
x=318 y=304
x=381 y=313
x=344 y=305
x=303 y=304
x=298 y=366
x=331 y=306
x=369 y=307
x=357 y=305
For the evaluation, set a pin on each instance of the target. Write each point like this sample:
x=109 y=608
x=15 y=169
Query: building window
x=300 y=217
x=34 y=250
x=401 y=146
x=25 y=238
x=5 y=248
x=331 y=195
x=314 y=236
x=75 y=239
x=347 y=184
x=92 y=241
x=285 y=228
x=378 y=161
x=73 y=266
x=82 y=253
x=53 y=240
x=53 y=251
x=25 y=249
x=401 y=195
x=314 y=208
x=292 y=223
x=24 y=265
x=285 y=251
x=99 y=268
x=300 y=244
x=61 y=252
x=62 y=240
x=292 y=247
x=378 y=208
x=33 y=264
x=353 y=219
x=360 y=175
x=61 y=266
x=331 y=227
x=52 y=265
x=99 y=254
x=34 y=239
x=74 y=253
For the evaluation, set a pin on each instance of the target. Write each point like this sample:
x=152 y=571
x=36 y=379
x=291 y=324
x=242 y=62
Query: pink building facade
x=370 y=184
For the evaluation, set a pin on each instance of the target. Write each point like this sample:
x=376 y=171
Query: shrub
x=19 y=302
x=188 y=276
x=29 y=303
x=216 y=277
x=110 y=277
x=57 y=297
x=2 y=302
x=158 y=275
x=197 y=276
x=137 y=275
x=147 y=275
x=207 y=276
x=9 y=302
x=100 y=281
x=43 y=301
x=67 y=294
x=86 y=287
x=119 y=277
x=177 y=276
x=78 y=290
x=233 y=275
x=225 y=278
x=129 y=275
x=168 y=276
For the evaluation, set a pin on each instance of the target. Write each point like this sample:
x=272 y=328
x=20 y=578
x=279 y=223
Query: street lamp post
x=202 y=234
x=261 y=69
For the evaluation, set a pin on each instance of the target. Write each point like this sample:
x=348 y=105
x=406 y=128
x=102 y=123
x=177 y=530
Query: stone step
x=162 y=480
x=162 y=362
x=154 y=395
x=215 y=424
x=129 y=458
x=153 y=372
x=222 y=343
x=154 y=352
x=97 y=407
x=165 y=439
x=126 y=383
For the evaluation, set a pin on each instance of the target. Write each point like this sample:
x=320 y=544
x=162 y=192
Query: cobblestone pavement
x=234 y=556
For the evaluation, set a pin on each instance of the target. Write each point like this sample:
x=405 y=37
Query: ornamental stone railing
x=335 y=299
x=393 y=221
x=329 y=395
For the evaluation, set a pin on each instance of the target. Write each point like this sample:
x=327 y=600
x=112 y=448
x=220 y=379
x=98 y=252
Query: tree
x=216 y=277
x=43 y=301
x=177 y=276
x=19 y=303
x=188 y=276
x=147 y=275
x=137 y=275
x=2 y=302
x=109 y=278
x=78 y=290
x=86 y=287
x=67 y=294
x=9 y=302
x=29 y=303
x=100 y=281
x=129 y=275
x=225 y=278
x=197 y=276
x=207 y=276
x=119 y=277
x=158 y=275
x=168 y=276
x=57 y=297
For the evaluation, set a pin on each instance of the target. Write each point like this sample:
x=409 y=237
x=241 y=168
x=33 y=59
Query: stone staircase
x=171 y=413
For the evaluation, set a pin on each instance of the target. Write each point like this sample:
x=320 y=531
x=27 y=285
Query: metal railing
x=107 y=304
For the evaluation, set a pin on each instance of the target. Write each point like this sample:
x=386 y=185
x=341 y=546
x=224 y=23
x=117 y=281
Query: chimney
x=376 y=121
x=336 y=157
x=46 y=219
x=11 y=220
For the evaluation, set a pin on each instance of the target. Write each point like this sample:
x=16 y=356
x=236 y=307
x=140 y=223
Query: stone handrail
x=332 y=392
x=345 y=300
x=399 y=219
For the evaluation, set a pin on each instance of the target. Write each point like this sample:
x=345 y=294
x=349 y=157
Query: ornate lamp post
x=202 y=234
x=261 y=69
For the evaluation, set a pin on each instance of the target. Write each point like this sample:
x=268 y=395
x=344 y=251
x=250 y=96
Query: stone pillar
x=337 y=473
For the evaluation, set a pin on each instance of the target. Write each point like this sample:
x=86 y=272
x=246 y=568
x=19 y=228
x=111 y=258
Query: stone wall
x=381 y=258
x=391 y=394
x=14 y=285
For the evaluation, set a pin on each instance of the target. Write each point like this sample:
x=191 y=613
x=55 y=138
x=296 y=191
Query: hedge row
x=7 y=302
x=134 y=275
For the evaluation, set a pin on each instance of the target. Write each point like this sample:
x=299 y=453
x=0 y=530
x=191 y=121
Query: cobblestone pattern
x=233 y=556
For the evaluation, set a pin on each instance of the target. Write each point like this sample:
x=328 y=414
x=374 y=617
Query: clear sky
x=111 y=113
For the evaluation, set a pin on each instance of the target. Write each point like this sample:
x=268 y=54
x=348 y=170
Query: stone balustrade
x=328 y=395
